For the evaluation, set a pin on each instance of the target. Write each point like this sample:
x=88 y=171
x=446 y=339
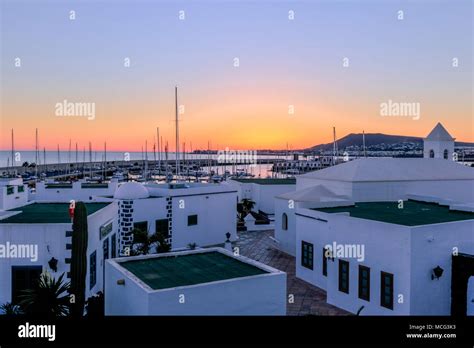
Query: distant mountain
x=374 y=139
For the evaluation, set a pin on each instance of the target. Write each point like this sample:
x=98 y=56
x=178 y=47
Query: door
x=24 y=277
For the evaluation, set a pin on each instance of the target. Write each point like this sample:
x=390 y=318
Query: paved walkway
x=308 y=299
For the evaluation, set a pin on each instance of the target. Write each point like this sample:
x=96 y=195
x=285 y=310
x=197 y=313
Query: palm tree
x=248 y=205
x=141 y=242
x=10 y=309
x=162 y=245
x=44 y=300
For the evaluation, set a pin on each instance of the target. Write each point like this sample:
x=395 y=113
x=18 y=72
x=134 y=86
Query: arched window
x=284 y=222
x=445 y=154
x=431 y=154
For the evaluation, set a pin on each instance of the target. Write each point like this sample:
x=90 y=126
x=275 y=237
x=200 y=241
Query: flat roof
x=51 y=213
x=269 y=181
x=413 y=213
x=189 y=269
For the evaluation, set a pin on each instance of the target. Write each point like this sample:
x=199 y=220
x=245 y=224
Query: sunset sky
x=282 y=62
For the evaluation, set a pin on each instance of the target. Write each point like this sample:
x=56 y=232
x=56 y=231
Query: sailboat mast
x=146 y=160
x=13 y=152
x=363 y=143
x=177 y=131
x=69 y=158
x=36 y=152
x=160 y=148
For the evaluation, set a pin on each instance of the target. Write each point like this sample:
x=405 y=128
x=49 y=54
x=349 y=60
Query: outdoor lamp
x=437 y=273
x=53 y=264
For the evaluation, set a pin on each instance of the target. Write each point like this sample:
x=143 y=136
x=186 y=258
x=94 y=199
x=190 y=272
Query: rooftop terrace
x=47 y=213
x=182 y=270
x=413 y=213
x=270 y=181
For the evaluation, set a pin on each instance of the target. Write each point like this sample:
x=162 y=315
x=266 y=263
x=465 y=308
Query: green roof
x=270 y=181
x=37 y=213
x=413 y=213
x=182 y=270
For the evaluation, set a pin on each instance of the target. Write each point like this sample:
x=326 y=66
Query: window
x=105 y=248
x=113 y=241
x=92 y=269
x=445 y=154
x=21 y=188
x=10 y=190
x=344 y=276
x=431 y=154
x=306 y=254
x=386 y=290
x=284 y=222
x=24 y=277
x=141 y=225
x=161 y=226
x=325 y=262
x=192 y=220
x=364 y=283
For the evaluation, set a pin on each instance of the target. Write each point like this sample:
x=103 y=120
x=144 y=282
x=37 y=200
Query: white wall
x=338 y=187
x=386 y=248
x=438 y=147
x=149 y=210
x=76 y=192
x=94 y=243
x=265 y=196
x=286 y=239
x=44 y=236
x=217 y=215
x=127 y=299
x=262 y=195
x=263 y=294
x=17 y=199
x=432 y=245
x=255 y=295
x=456 y=190
x=51 y=241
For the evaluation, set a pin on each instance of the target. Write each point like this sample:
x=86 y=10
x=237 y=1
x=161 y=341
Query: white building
x=407 y=214
x=262 y=191
x=372 y=180
x=384 y=256
x=438 y=144
x=34 y=235
x=13 y=193
x=199 y=282
x=184 y=213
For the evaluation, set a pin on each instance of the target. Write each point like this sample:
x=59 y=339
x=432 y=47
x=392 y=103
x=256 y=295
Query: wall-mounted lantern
x=437 y=273
x=53 y=264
